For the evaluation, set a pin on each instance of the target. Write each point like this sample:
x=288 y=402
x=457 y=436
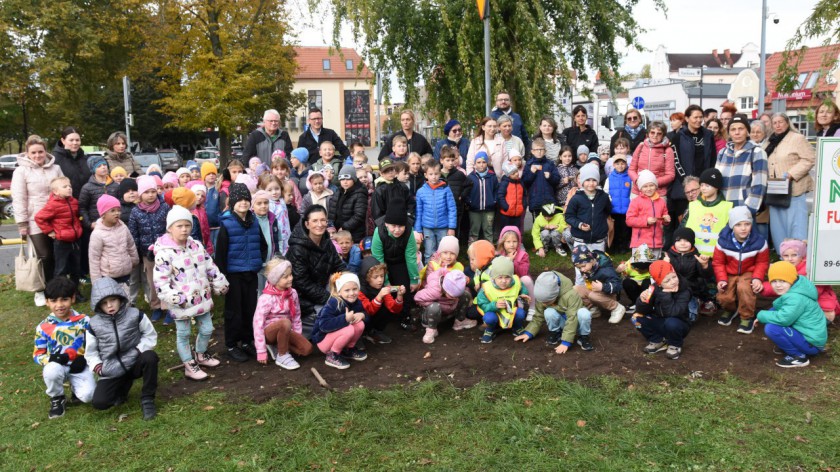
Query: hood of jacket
x=804 y=288
x=107 y=287
x=368 y=263
x=24 y=161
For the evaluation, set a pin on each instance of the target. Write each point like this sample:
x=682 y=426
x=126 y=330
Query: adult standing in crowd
x=416 y=141
x=315 y=134
x=70 y=157
x=454 y=137
x=488 y=139
x=633 y=131
x=511 y=141
x=314 y=259
x=726 y=113
x=266 y=139
x=504 y=106
x=758 y=133
x=743 y=165
x=790 y=157
x=580 y=133
x=718 y=134
x=677 y=121
x=553 y=140
x=654 y=154
x=694 y=152
x=118 y=155
x=827 y=120
x=30 y=192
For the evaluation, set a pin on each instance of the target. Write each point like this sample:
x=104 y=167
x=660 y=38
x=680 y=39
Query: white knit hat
x=178 y=213
x=345 y=278
x=590 y=171
x=645 y=177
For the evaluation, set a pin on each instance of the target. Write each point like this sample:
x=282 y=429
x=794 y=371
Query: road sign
x=689 y=72
x=638 y=103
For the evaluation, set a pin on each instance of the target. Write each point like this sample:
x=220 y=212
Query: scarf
x=633 y=132
x=204 y=226
x=149 y=207
x=774 y=141
x=284 y=299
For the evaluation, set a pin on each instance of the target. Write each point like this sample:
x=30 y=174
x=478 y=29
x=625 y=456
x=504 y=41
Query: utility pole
x=762 y=86
x=129 y=120
x=484 y=14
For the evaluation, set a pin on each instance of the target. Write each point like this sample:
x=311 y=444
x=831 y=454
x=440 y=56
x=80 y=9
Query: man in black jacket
x=315 y=134
x=263 y=141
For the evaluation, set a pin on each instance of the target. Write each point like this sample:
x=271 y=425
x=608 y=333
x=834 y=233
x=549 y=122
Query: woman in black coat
x=348 y=206
x=580 y=132
x=71 y=159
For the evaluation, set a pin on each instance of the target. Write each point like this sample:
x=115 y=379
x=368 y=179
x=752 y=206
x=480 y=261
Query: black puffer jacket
x=667 y=304
x=348 y=210
x=312 y=266
x=74 y=168
x=575 y=137
x=386 y=193
x=460 y=186
x=688 y=267
x=90 y=194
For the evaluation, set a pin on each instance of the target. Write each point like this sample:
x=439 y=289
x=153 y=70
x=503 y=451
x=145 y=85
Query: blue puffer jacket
x=435 y=208
x=211 y=206
x=333 y=317
x=592 y=212
x=240 y=245
x=146 y=228
x=540 y=189
x=483 y=192
x=620 y=186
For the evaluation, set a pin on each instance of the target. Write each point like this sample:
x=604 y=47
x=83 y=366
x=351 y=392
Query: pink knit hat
x=454 y=283
x=105 y=203
x=449 y=244
x=145 y=182
x=171 y=178
x=795 y=244
x=260 y=195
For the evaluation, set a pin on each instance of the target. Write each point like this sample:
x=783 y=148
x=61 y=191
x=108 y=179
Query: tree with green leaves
x=823 y=23
x=538 y=48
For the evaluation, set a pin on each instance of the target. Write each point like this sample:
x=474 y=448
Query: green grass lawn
x=542 y=423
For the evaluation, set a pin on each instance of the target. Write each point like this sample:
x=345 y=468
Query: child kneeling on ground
x=662 y=311
x=498 y=300
x=560 y=306
x=601 y=286
x=185 y=279
x=120 y=347
x=443 y=297
x=796 y=324
x=277 y=324
x=341 y=322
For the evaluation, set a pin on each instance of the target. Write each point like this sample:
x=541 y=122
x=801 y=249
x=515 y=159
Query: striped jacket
x=744 y=175
x=733 y=258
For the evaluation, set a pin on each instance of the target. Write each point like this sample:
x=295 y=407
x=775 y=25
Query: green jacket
x=798 y=309
x=568 y=302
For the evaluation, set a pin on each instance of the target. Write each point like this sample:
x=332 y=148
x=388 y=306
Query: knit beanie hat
x=249 y=182
x=645 y=177
x=449 y=125
x=208 y=168
x=514 y=153
x=739 y=118
x=347 y=172
x=481 y=155
x=262 y=169
x=158 y=180
x=192 y=165
x=118 y=171
x=583 y=149
x=396 y=214
x=178 y=213
x=547 y=287
x=310 y=176
x=795 y=244
x=254 y=161
x=782 y=270
x=590 y=171
x=167 y=198
x=184 y=197
x=279 y=154
x=238 y=192
x=501 y=266
x=192 y=184
x=170 y=178
x=126 y=186
x=449 y=244
x=96 y=161
x=712 y=177
x=483 y=251
x=739 y=214
x=154 y=169
x=346 y=278
x=301 y=154
x=181 y=171
x=684 y=233
x=582 y=254
x=260 y=195
x=660 y=269
x=593 y=156
x=548 y=209
x=144 y=183
x=454 y=283
x=105 y=203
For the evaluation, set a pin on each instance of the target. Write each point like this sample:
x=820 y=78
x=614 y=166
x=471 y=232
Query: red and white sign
x=794 y=95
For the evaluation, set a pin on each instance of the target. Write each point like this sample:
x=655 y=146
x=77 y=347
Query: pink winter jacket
x=521 y=261
x=826 y=297
x=657 y=158
x=638 y=212
x=275 y=305
x=31 y=189
x=495 y=149
x=432 y=291
x=108 y=249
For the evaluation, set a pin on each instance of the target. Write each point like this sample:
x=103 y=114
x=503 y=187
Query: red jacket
x=640 y=209
x=729 y=259
x=62 y=216
x=372 y=306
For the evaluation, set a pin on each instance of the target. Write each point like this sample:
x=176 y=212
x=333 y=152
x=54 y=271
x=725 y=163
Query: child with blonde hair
x=341 y=322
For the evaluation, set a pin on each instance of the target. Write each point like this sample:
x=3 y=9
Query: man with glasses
x=264 y=140
x=503 y=107
x=454 y=137
x=315 y=134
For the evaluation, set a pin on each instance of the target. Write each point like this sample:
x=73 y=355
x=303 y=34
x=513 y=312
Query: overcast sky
x=691 y=26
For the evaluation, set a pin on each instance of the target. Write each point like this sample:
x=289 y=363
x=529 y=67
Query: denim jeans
x=183 y=329
x=431 y=240
x=556 y=321
x=672 y=330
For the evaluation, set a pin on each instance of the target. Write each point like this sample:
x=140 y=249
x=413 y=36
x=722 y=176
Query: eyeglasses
x=456 y=130
x=633 y=118
x=692 y=191
x=272 y=121
x=502 y=99
x=537 y=149
x=654 y=133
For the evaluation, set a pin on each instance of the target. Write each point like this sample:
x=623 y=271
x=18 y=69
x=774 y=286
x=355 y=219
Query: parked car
x=147 y=159
x=237 y=152
x=95 y=153
x=171 y=159
x=207 y=155
x=8 y=163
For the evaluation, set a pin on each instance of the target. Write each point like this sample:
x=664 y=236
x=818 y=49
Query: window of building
x=801 y=81
x=315 y=99
x=812 y=80
x=747 y=103
x=326 y=64
x=348 y=64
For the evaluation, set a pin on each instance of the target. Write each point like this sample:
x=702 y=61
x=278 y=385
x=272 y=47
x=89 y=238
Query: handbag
x=29 y=272
x=778 y=193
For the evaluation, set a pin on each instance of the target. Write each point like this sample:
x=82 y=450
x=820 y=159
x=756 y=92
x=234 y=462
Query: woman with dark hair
x=553 y=139
x=580 y=132
x=314 y=259
x=70 y=157
x=488 y=139
x=718 y=133
x=119 y=156
x=827 y=120
x=633 y=131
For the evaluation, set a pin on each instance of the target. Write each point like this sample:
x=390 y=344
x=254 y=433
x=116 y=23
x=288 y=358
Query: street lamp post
x=762 y=61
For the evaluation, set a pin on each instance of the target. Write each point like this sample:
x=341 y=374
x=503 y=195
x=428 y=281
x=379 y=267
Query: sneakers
x=488 y=336
x=237 y=355
x=354 y=353
x=157 y=315
x=726 y=318
x=57 y=406
x=746 y=326
x=377 y=337
x=617 y=314
x=204 y=360
x=41 y=300
x=334 y=360
x=584 y=343
x=149 y=409
x=466 y=323
x=708 y=308
x=554 y=338
x=561 y=252
x=787 y=362
x=167 y=319
x=596 y=312
x=249 y=350
x=272 y=351
x=653 y=348
x=673 y=352
x=631 y=309
x=431 y=334
x=193 y=372
x=286 y=361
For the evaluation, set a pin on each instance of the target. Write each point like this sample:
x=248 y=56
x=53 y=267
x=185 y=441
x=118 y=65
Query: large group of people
x=314 y=249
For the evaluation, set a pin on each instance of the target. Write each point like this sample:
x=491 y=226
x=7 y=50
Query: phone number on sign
x=831 y=263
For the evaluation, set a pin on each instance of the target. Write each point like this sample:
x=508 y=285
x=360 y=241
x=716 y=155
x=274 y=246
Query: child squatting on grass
x=499 y=300
x=662 y=314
